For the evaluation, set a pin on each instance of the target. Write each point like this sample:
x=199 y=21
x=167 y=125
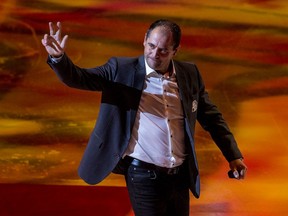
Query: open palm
x=54 y=43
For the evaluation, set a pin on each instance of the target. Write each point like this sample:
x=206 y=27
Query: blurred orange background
x=240 y=48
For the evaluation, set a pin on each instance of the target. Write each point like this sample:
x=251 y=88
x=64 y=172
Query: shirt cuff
x=56 y=60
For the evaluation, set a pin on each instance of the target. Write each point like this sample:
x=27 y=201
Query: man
x=145 y=127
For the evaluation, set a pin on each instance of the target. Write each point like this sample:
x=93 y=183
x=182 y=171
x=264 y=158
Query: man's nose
x=155 y=53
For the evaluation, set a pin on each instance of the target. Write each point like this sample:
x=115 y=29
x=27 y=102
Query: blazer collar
x=140 y=73
x=181 y=81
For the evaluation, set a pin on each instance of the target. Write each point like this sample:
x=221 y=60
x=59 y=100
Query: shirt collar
x=150 y=70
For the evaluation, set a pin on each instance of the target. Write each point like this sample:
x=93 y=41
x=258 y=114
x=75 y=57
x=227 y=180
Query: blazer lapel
x=138 y=83
x=182 y=82
x=139 y=75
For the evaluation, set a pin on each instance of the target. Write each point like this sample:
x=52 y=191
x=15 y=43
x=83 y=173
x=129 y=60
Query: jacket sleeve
x=93 y=79
x=212 y=121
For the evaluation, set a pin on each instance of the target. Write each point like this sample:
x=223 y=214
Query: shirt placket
x=167 y=106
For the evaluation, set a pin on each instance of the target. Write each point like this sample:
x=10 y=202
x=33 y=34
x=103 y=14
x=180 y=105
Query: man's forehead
x=159 y=36
x=161 y=30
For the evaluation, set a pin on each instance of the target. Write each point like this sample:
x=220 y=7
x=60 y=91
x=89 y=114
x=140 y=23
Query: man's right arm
x=94 y=79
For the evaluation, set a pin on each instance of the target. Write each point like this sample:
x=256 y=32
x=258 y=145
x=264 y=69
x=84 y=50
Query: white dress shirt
x=158 y=132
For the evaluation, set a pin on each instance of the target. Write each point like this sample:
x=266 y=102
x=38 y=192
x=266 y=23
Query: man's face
x=158 y=49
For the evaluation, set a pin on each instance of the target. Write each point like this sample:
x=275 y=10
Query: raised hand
x=54 y=43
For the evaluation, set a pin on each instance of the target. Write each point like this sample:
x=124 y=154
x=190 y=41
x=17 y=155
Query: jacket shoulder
x=190 y=66
x=127 y=60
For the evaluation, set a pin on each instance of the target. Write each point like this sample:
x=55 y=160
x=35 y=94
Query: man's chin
x=153 y=65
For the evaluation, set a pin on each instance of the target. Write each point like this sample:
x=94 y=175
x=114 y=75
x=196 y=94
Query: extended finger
x=51 y=28
x=59 y=31
x=45 y=40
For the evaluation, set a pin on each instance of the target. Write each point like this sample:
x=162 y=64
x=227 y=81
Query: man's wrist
x=56 y=59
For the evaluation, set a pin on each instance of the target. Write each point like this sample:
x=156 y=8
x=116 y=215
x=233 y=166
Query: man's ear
x=176 y=50
x=145 y=38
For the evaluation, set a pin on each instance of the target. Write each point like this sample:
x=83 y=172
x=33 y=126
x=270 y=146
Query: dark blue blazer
x=121 y=81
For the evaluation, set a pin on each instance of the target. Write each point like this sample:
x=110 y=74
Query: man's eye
x=151 y=46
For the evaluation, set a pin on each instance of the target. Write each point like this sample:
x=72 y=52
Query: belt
x=145 y=165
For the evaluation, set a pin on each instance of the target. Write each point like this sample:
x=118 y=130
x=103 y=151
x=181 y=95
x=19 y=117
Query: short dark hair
x=173 y=27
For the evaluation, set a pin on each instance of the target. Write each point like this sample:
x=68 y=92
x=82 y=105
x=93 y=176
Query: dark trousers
x=155 y=193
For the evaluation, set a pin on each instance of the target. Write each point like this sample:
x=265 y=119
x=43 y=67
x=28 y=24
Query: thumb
x=64 y=42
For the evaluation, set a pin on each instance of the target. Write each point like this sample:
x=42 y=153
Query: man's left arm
x=212 y=121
